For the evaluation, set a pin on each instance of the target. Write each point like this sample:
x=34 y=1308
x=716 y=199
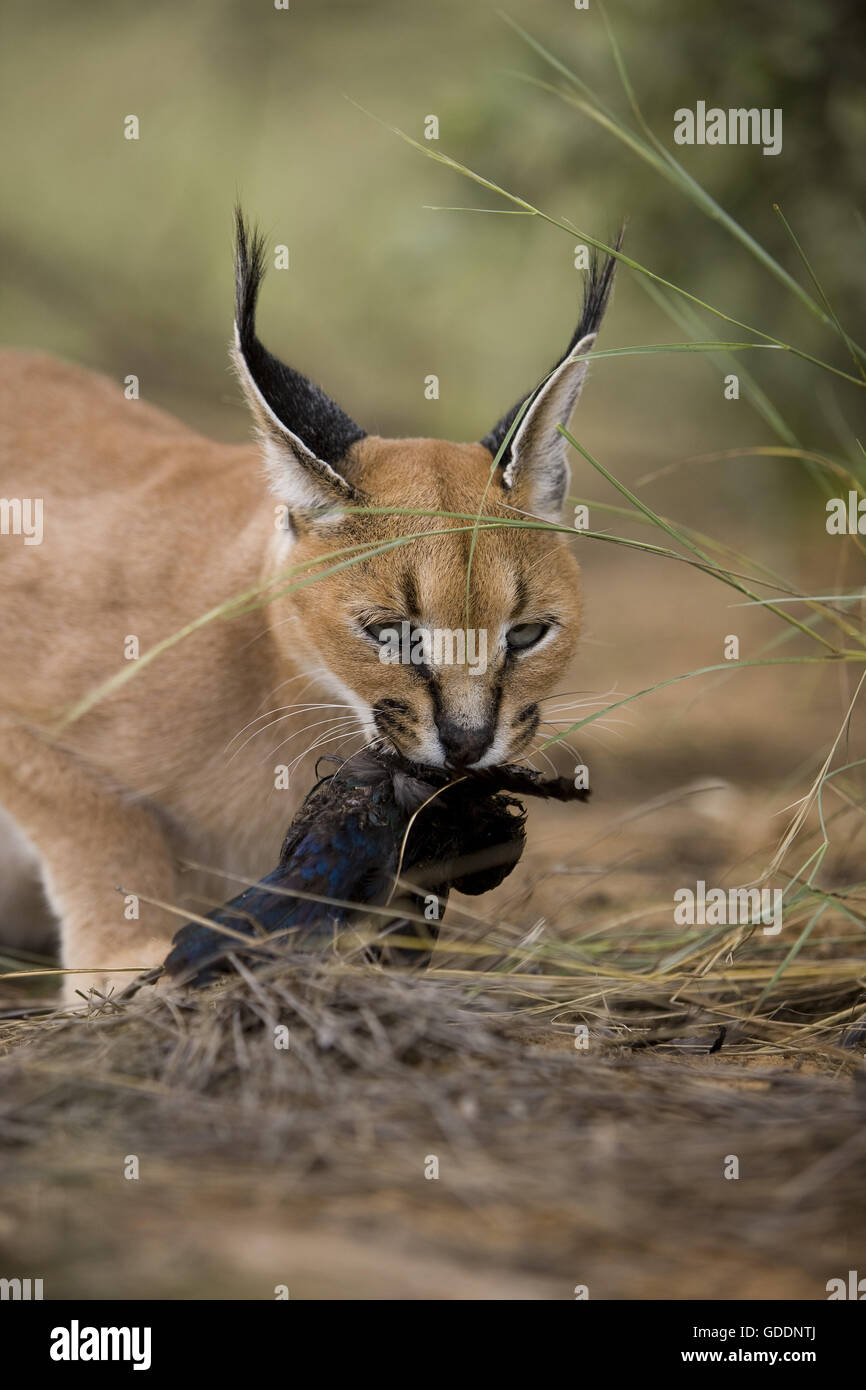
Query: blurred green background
x=117 y=254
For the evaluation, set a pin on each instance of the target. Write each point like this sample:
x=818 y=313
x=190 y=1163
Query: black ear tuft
x=298 y=404
x=598 y=285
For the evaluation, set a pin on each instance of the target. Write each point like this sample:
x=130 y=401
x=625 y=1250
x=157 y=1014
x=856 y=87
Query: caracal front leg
x=92 y=841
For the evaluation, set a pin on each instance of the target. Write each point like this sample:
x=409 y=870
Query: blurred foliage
x=117 y=253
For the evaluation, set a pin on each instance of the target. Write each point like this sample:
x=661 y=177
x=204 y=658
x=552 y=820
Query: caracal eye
x=384 y=631
x=525 y=635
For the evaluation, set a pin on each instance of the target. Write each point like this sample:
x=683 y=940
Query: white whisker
x=316 y=724
x=321 y=742
x=284 y=712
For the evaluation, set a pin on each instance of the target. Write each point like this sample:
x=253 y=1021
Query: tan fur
x=147 y=526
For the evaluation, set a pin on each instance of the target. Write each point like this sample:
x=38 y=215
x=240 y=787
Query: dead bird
x=377 y=832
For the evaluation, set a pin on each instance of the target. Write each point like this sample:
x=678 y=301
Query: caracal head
x=443 y=632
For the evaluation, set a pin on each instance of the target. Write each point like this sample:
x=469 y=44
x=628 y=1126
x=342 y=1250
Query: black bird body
x=374 y=821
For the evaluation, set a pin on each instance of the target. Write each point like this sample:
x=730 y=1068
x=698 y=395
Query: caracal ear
x=305 y=435
x=537 y=472
x=534 y=463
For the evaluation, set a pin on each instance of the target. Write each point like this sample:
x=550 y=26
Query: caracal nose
x=463 y=746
